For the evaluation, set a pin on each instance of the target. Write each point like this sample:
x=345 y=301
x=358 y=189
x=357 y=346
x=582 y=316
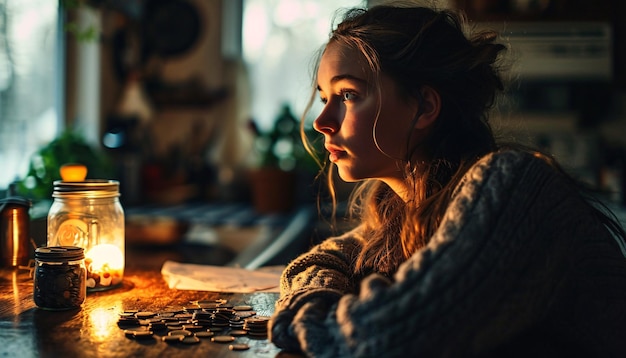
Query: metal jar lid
x=60 y=253
x=92 y=188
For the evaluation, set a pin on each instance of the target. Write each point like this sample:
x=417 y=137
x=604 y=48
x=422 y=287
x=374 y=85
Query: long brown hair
x=417 y=47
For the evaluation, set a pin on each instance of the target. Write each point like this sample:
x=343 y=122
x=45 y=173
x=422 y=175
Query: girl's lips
x=335 y=153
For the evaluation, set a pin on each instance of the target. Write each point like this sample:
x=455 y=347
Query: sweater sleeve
x=322 y=275
x=492 y=269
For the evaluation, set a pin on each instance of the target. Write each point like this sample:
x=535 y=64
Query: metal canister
x=15 y=247
x=88 y=214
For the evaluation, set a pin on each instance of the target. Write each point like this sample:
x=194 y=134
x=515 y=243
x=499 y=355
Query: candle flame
x=105 y=256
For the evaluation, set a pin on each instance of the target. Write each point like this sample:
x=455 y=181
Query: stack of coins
x=256 y=326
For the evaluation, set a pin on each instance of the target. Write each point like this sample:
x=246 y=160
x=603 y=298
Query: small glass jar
x=59 y=279
x=88 y=214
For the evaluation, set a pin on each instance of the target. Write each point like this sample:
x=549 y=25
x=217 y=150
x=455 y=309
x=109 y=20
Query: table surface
x=92 y=331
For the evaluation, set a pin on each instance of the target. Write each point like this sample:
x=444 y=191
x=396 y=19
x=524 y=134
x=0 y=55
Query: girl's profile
x=464 y=246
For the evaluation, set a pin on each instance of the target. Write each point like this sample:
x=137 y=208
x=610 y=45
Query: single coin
x=145 y=314
x=128 y=322
x=257 y=321
x=180 y=332
x=172 y=339
x=129 y=333
x=245 y=314
x=222 y=339
x=143 y=334
x=238 y=332
x=190 y=340
x=242 y=308
x=238 y=347
x=202 y=315
x=204 y=334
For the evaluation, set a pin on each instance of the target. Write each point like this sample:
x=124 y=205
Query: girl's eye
x=348 y=96
x=323 y=100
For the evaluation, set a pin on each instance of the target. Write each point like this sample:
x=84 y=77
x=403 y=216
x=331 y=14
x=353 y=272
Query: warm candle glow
x=73 y=172
x=105 y=265
x=105 y=256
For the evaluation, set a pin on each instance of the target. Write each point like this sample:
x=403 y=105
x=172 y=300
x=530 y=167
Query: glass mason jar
x=88 y=214
x=59 y=279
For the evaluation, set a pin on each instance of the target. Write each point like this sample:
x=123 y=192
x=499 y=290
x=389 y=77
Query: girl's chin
x=346 y=175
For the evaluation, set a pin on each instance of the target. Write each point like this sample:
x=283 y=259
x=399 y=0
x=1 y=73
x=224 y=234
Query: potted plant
x=280 y=161
x=44 y=165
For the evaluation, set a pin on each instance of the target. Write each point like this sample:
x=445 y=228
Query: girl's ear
x=431 y=102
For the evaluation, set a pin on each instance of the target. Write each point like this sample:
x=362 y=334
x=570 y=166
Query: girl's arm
x=322 y=275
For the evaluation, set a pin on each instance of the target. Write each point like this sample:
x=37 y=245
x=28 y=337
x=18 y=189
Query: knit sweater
x=520 y=266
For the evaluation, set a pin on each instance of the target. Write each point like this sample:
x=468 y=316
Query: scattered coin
x=222 y=339
x=143 y=334
x=238 y=347
x=181 y=332
x=238 y=332
x=204 y=334
x=245 y=314
x=129 y=333
x=145 y=314
x=242 y=308
x=172 y=339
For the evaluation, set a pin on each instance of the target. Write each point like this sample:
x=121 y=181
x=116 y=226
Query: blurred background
x=197 y=103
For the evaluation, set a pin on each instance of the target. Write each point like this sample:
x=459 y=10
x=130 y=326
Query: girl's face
x=361 y=146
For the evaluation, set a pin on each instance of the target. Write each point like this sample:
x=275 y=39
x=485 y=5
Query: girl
x=464 y=247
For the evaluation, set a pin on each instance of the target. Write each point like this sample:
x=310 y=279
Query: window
x=30 y=82
x=280 y=39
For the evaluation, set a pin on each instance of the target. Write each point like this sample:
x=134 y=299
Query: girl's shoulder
x=350 y=240
x=508 y=164
x=512 y=158
x=513 y=161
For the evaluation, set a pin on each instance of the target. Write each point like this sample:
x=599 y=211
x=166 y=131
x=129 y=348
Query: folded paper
x=184 y=276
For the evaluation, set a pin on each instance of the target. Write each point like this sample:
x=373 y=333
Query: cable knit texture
x=518 y=267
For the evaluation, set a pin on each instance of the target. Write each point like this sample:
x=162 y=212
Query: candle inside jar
x=105 y=266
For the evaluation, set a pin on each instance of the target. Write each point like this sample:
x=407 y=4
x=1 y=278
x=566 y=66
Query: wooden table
x=92 y=331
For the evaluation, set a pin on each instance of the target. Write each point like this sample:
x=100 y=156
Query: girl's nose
x=326 y=122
